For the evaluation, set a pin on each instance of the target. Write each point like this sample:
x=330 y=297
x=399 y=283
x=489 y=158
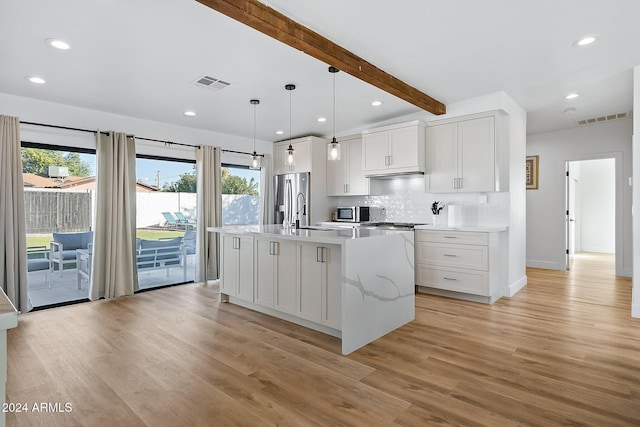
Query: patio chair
x=64 y=245
x=184 y=220
x=38 y=260
x=170 y=221
x=189 y=242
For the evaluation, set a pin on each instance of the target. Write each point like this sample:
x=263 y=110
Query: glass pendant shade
x=289 y=156
x=333 y=147
x=333 y=150
x=256 y=160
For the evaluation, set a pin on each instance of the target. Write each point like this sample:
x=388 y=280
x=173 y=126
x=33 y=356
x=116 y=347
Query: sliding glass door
x=166 y=221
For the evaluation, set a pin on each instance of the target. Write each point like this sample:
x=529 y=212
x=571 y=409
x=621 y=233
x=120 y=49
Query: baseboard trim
x=516 y=287
x=547 y=265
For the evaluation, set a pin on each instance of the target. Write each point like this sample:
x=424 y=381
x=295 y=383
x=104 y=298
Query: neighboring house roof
x=36 y=181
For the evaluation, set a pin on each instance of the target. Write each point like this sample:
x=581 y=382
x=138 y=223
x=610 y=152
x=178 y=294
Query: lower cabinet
x=275 y=280
x=302 y=279
x=237 y=266
x=319 y=284
x=466 y=262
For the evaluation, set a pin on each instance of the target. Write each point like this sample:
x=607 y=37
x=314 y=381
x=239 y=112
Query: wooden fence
x=59 y=211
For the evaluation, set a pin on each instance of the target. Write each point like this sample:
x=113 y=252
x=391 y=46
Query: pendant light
x=289 y=159
x=333 y=148
x=256 y=159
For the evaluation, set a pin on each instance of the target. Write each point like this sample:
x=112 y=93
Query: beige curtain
x=13 y=235
x=266 y=191
x=209 y=190
x=114 y=272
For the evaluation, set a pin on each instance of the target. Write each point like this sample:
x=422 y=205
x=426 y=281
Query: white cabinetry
x=394 y=149
x=275 y=279
x=345 y=177
x=319 y=284
x=237 y=266
x=465 y=263
x=301 y=156
x=468 y=154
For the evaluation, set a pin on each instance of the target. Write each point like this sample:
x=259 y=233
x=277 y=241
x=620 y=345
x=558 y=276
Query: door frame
x=619 y=205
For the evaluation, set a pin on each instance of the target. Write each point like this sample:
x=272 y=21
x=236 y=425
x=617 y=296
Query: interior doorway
x=590 y=209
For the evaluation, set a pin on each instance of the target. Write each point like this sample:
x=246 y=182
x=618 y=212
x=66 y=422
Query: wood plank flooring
x=564 y=351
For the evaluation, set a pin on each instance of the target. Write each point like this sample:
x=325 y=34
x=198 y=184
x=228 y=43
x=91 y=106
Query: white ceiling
x=139 y=58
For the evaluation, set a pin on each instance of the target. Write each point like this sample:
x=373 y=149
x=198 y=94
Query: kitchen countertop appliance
x=360 y=213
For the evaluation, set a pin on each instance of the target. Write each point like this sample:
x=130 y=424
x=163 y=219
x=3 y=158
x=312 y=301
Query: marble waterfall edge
x=378 y=288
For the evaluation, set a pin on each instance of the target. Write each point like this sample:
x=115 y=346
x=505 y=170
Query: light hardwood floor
x=564 y=351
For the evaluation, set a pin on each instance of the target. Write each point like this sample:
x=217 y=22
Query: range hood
x=394 y=175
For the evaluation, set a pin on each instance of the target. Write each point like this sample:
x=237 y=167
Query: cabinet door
x=442 y=152
x=332 y=292
x=229 y=270
x=337 y=173
x=403 y=148
x=311 y=272
x=285 y=277
x=244 y=250
x=476 y=154
x=375 y=149
x=265 y=260
x=357 y=184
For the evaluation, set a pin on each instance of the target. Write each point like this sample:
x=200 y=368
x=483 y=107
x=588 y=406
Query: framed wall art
x=532 y=172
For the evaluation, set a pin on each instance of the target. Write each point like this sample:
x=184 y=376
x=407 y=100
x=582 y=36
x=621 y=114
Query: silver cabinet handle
x=276 y=248
x=450 y=255
x=318 y=254
x=450 y=237
x=449 y=278
x=455 y=183
x=324 y=254
x=460 y=183
x=348 y=188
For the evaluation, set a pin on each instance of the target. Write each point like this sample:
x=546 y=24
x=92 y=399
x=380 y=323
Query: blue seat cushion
x=37 y=264
x=68 y=254
x=73 y=241
x=149 y=248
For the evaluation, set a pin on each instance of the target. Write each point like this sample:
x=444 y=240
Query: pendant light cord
x=254 y=128
x=334 y=106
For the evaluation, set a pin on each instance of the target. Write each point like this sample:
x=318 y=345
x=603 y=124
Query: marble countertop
x=313 y=234
x=476 y=228
x=8 y=313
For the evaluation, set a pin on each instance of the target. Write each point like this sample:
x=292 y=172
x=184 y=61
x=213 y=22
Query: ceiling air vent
x=209 y=82
x=603 y=119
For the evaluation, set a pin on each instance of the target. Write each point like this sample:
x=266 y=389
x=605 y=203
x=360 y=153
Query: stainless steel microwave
x=359 y=214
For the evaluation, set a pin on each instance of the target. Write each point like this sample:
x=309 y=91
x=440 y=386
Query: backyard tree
x=37 y=161
x=231 y=184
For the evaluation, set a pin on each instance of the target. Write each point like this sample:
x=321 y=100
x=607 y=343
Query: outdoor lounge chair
x=170 y=221
x=64 y=245
x=38 y=260
x=184 y=220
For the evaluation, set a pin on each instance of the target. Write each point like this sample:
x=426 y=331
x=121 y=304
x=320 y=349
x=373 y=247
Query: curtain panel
x=13 y=237
x=209 y=194
x=266 y=191
x=114 y=271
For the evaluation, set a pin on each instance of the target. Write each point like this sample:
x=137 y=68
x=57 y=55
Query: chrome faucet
x=304 y=207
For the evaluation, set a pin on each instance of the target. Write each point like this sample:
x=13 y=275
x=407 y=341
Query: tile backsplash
x=406 y=201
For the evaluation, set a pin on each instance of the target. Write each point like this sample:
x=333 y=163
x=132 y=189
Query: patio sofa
x=158 y=254
x=64 y=246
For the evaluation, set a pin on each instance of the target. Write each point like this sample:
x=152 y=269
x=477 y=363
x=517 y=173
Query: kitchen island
x=357 y=285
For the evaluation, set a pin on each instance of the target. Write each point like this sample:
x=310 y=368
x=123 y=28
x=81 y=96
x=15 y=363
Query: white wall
x=33 y=110
x=597 y=205
x=546 y=206
x=635 y=305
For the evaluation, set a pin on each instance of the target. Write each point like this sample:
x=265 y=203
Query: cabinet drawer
x=469 y=282
x=461 y=237
x=447 y=255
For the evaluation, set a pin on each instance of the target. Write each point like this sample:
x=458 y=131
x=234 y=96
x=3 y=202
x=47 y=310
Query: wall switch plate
x=482 y=199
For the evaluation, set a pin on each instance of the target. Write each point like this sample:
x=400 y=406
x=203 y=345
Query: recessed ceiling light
x=322 y=119
x=279 y=132
x=585 y=41
x=569 y=110
x=376 y=103
x=572 y=96
x=189 y=113
x=58 y=44
x=36 y=80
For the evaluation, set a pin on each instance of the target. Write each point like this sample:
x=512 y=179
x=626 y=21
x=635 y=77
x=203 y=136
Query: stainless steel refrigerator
x=292 y=198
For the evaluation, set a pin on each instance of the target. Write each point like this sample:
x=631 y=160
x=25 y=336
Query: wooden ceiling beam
x=274 y=24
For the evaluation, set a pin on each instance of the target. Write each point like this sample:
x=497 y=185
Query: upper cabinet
x=468 y=154
x=345 y=176
x=395 y=149
x=301 y=156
